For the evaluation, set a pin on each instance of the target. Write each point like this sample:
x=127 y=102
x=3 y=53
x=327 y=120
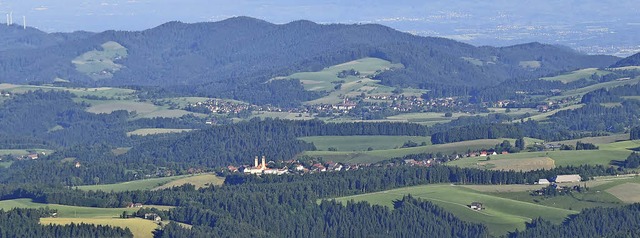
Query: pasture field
x=598 y=140
x=65 y=211
x=23 y=151
x=110 y=106
x=321 y=80
x=362 y=143
x=560 y=158
x=199 y=181
x=157 y=183
x=140 y=228
x=500 y=216
x=153 y=131
x=379 y=155
x=427 y=118
x=99 y=92
x=627 y=192
x=5 y=164
x=545 y=115
x=576 y=75
x=350 y=85
x=581 y=91
x=99 y=64
x=142 y=109
x=525 y=164
x=143 y=184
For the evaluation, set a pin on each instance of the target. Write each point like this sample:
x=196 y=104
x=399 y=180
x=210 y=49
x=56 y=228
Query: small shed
x=476 y=206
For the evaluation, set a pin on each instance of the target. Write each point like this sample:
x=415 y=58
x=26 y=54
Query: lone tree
x=520 y=143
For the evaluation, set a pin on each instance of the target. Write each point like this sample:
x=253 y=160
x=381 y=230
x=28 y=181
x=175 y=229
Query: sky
x=577 y=23
x=100 y=15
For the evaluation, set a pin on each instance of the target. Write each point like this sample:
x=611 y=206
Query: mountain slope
x=633 y=60
x=235 y=57
x=15 y=37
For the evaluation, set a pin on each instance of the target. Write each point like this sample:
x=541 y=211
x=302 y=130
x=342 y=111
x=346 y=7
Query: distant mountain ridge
x=235 y=57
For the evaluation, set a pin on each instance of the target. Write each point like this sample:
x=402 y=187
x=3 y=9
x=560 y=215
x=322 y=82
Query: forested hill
x=233 y=56
x=15 y=37
x=633 y=60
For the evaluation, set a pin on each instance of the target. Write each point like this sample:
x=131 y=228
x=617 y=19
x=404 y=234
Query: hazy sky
x=99 y=15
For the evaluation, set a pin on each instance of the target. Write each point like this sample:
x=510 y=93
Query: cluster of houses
x=374 y=103
x=222 y=106
x=484 y=153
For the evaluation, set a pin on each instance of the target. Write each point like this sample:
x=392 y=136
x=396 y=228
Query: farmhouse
x=152 y=216
x=476 y=206
x=569 y=178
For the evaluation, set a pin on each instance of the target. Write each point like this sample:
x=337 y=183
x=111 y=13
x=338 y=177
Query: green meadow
x=379 y=155
x=156 y=183
x=362 y=143
x=500 y=216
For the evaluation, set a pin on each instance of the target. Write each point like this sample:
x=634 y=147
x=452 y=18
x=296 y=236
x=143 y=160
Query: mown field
x=90 y=215
x=379 y=155
x=500 y=216
x=143 y=184
x=362 y=143
x=156 y=183
x=199 y=181
x=153 y=131
x=140 y=228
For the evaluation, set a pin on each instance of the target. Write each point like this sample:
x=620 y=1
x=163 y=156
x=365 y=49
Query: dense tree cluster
x=474 y=132
x=592 y=222
x=634 y=133
x=21 y=222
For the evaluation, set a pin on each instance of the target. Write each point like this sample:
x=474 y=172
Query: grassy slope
x=144 y=184
x=353 y=85
x=361 y=143
x=140 y=228
x=379 y=155
x=199 y=181
x=581 y=91
x=501 y=214
x=157 y=183
x=65 y=211
x=576 y=75
x=603 y=156
x=23 y=152
x=153 y=131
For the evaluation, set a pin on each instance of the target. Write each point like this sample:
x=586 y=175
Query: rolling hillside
x=234 y=58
